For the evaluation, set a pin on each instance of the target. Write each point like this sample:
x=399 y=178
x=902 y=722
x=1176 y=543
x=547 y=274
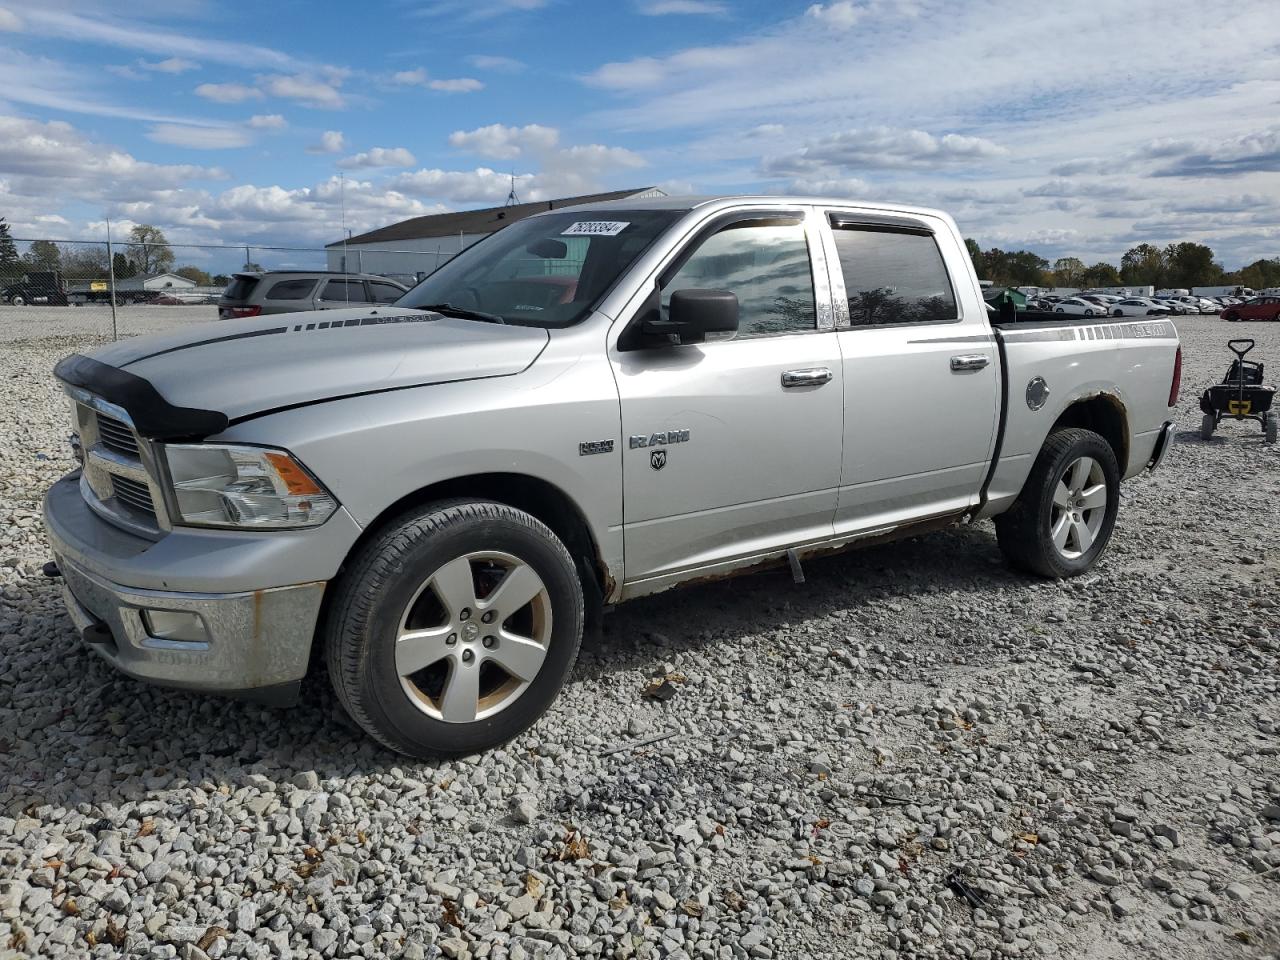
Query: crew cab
x=437 y=496
x=1260 y=308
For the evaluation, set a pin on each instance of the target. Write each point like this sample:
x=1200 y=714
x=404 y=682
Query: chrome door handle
x=970 y=361
x=808 y=377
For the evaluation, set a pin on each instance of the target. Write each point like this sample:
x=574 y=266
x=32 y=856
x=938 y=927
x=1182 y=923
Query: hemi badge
x=591 y=447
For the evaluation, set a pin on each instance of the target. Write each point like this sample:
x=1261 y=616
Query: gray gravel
x=915 y=754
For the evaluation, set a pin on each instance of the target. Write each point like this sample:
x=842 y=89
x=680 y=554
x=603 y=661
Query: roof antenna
x=512 y=199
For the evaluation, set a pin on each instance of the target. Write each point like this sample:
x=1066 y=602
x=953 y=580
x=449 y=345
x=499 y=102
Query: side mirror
x=693 y=314
x=548 y=248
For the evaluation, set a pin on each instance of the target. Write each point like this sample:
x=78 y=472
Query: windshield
x=545 y=271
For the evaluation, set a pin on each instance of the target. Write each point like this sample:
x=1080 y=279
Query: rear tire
x=408 y=636
x=1062 y=520
x=1270 y=427
x=1208 y=423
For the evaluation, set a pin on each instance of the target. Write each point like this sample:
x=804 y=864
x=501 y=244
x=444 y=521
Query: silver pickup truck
x=591 y=405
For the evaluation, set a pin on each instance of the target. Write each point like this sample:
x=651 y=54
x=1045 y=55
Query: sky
x=1073 y=129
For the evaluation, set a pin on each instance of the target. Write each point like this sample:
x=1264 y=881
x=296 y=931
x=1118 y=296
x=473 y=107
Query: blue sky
x=1076 y=129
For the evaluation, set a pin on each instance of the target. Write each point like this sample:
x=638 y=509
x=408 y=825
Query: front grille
x=117 y=437
x=134 y=494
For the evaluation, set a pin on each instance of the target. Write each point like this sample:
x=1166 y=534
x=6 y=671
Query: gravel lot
x=914 y=754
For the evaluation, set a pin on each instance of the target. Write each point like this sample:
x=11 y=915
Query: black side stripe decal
x=203 y=343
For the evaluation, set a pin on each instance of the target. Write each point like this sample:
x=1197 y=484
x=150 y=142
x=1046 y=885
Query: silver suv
x=288 y=291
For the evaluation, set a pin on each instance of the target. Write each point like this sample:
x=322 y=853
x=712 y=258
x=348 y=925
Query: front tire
x=18 y=300
x=1208 y=423
x=1270 y=427
x=454 y=628
x=1062 y=520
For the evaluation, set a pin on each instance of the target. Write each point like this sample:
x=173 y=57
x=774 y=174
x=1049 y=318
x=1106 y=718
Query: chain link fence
x=108 y=289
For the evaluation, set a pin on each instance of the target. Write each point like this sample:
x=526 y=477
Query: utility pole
x=111 y=286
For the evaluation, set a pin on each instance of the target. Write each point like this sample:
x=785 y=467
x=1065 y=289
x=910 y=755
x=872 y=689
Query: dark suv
x=288 y=291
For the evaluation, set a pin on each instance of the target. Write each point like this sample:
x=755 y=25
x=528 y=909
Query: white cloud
x=9 y=21
x=476 y=9
x=660 y=8
x=477 y=186
x=851 y=187
x=882 y=148
x=199 y=138
x=841 y=15
x=267 y=121
x=308 y=89
x=379 y=157
x=505 y=143
x=501 y=64
x=457 y=85
x=419 y=77
x=171 y=65
x=131 y=35
x=228 y=92
x=331 y=141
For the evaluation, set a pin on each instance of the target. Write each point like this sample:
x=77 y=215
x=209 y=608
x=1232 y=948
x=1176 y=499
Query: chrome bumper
x=1163 y=443
x=254 y=643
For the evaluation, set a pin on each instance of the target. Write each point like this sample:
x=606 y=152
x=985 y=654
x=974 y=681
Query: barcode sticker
x=595 y=228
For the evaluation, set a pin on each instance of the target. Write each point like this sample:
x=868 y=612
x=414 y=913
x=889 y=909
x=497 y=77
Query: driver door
x=732 y=447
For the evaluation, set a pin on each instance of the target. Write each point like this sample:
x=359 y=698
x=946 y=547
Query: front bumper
x=252 y=642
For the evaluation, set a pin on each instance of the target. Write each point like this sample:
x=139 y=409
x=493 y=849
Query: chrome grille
x=135 y=495
x=117 y=436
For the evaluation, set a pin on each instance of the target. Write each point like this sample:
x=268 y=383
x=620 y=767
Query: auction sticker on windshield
x=595 y=228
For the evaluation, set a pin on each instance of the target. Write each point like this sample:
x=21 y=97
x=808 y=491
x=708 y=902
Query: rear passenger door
x=383 y=292
x=921 y=371
x=337 y=294
x=288 y=296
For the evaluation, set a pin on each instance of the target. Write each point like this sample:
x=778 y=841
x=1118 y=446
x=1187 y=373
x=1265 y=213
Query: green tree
x=43 y=255
x=149 y=250
x=221 y=279
x=10 y=263
x=1258 y=275
x=1191 y=265
x=123 y=266
x=975 y=251
x=84 y=261
x=1101 y=274
x=195 y=275
x=1068 y=272
x=1144 y=264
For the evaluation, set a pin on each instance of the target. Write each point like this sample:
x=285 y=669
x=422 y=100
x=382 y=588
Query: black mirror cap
x=694 y=313
x=548 y=248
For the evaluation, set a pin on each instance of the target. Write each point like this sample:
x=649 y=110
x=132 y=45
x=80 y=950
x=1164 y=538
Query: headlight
x=221 y=485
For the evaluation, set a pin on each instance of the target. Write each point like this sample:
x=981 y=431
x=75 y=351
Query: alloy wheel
x=1079 y=508
x=473 y=637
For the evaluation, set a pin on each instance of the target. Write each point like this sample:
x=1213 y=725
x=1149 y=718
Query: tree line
x=1178 y=265
x=146 y=253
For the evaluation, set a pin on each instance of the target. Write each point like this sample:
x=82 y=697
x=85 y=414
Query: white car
x=1200 y=304
x=1175 y=306
x=1079 y=307
x=1138 y=307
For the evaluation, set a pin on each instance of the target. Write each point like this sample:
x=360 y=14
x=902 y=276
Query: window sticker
x=595 y=228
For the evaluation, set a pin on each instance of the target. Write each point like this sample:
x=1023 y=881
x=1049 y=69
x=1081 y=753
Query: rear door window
x=385 y=292
x=893 y=276
x=344 y=291
x=291 y=289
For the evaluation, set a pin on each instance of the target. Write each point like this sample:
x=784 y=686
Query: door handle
x=970 y=361
x=808 y=377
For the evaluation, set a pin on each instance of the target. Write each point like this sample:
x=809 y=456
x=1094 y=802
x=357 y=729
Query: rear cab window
x=385 y=292
x=240 y=288
x=892 y=275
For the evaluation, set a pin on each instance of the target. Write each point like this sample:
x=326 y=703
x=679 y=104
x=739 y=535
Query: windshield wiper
x=449 y=310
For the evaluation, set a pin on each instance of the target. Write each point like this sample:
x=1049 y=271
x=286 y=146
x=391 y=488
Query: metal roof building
x=413 y=248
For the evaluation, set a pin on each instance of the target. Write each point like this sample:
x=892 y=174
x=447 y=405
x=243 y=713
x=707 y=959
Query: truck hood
x=243 y=367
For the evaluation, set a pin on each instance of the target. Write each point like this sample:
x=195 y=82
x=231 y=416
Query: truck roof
x=734 y=200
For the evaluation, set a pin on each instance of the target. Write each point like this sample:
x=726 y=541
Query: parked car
x=431 y=494
x=1138 y=307
x=288 y=291
x=44 y=288
x=1199 y=304
x=1080 y=307
x=1260 y=308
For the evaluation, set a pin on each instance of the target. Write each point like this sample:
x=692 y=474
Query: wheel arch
x=1105 y=415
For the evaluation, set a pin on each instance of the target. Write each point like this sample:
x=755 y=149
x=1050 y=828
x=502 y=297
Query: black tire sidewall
x=1087 y=444
x=381 y=694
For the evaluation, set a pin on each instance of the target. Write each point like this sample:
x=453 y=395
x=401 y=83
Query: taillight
x=1176 y=385
x=245 y=311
